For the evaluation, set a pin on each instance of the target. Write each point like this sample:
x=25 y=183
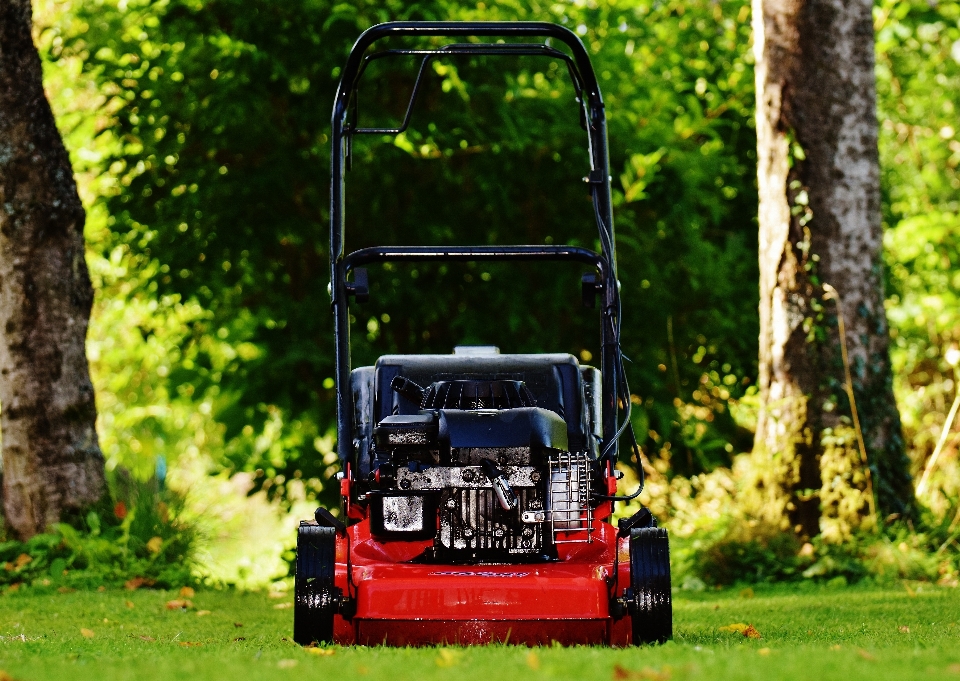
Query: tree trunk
x=820 y=224
x=51 y=456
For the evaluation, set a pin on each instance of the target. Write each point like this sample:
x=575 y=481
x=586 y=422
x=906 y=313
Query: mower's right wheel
x=316 y=599
x=651 y=605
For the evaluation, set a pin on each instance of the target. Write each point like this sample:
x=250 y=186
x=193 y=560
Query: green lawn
x=809 y=634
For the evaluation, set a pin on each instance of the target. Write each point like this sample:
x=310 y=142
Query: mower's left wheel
x=316 y=599
x=651 y=604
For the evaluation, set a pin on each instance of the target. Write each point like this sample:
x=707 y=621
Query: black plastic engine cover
x=522 y=427
x=465 y=394
x=416 y=431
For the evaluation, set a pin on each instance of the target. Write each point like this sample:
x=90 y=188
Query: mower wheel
x=316 y=599
x=650 y=602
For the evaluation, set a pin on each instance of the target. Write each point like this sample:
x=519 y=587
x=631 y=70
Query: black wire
x=623 y=387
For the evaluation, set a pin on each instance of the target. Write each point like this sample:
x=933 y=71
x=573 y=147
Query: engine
x=476 y=465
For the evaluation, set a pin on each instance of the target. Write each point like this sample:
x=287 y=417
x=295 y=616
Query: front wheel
x=316 y=599
x=650 y=602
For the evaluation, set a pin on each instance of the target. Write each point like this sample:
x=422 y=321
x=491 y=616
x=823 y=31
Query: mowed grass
x=809 y=634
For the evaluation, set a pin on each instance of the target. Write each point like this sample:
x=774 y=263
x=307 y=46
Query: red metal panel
x=407 y=603
x=481 y=632
x=488 y=592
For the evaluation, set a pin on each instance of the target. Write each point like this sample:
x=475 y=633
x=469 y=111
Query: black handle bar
x=500 y=29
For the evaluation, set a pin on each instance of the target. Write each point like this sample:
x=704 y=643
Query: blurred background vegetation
x=199 y=133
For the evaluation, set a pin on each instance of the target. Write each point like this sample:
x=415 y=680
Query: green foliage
x=214 y=166
x=141 y=538
x=757 y=559
x=918 y=69
x=753 y=555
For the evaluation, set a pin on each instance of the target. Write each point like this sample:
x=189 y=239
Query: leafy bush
x=138 y=542
x=749 y=555
x=764 y=557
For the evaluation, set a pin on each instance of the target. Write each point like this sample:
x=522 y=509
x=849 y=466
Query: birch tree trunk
x=51 y=456
x=820 y=224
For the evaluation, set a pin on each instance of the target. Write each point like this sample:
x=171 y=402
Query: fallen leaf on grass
x=190 y=644
x=137 y=582
x=835 y=647
x=287 y=664
x=238 y=624
x=179 y=604
x=201 y=613
x=764 y=651
x=865 y=655
x=447 y=658
x=239 y=638
x=22 y=560
x=533 y=661
x=323 y=652
x=4 y=676
x=904 y=630
x=953 y=669
x=65 y=590
x=87 y=633
x=747 y=630
x=147 y=638
x=282 y=606
x=645 y=674
x=129 y=604
x=187 y=592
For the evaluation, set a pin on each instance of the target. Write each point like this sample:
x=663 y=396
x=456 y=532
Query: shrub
x=136 y=539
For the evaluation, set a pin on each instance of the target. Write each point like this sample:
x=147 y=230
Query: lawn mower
x=478 y=487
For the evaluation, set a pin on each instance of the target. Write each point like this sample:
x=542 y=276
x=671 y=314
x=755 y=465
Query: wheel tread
x=652 y=611
x=314 y=602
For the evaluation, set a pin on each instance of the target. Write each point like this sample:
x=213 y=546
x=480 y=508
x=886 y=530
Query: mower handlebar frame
x=592 y=118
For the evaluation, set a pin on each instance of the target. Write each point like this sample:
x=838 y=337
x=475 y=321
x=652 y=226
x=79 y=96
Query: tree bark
x=820 y=224
x=52 y=462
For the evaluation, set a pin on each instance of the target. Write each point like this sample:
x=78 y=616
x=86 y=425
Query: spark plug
x=505 y=494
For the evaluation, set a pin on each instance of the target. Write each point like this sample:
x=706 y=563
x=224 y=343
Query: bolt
x=535 y=476
x=404 y=484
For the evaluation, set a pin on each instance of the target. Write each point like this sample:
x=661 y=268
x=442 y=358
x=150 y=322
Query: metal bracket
x=359 y=288
x=596 y=177
x=590 y=288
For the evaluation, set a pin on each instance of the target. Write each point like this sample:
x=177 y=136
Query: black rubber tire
x=315 y=596
x=651 y=609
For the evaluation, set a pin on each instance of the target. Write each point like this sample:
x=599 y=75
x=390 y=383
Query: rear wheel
x=316 y=599
x=650 y=603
